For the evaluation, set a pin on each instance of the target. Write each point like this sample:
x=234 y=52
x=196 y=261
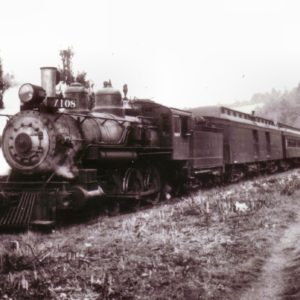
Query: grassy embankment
x=199 y=248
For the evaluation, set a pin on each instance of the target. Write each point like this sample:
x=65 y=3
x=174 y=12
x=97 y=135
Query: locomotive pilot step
x=19 y=216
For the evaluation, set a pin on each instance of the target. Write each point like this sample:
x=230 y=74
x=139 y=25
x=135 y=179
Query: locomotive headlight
x=26 y=93
x=30 y=94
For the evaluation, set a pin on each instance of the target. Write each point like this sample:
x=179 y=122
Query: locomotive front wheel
x=152 y=184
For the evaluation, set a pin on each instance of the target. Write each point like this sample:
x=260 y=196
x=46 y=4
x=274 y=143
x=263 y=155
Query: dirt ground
x=280 y=275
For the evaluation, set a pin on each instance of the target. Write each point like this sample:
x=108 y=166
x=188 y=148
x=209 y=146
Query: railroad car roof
x=228 y=113
x=241 y=117
x=149 y=102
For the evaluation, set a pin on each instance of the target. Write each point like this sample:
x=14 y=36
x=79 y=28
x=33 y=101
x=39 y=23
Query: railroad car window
x=184 y=125
x=268 y=140
x=291 y=143
x=255 y=140
x=165 y=123
x=177 y=125
x=255 y=136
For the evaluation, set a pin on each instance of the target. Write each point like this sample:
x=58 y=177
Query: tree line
x=280 y=106
x=6 y=81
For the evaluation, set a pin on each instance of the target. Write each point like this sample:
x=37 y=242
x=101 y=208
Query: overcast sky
x=179 y=53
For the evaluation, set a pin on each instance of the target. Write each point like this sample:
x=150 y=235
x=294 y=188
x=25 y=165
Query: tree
x=66 y=71
x=6 y=81
x=81 y=78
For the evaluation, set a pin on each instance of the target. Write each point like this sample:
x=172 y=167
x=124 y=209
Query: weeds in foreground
x=238 y=201
x=200 y=248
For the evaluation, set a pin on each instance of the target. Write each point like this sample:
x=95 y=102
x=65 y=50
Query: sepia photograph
x=149 y=150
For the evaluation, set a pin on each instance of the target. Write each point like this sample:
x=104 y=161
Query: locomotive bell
x=109 y=100
x=80 y=94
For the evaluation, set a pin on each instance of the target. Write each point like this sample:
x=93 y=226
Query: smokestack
x=49 y=80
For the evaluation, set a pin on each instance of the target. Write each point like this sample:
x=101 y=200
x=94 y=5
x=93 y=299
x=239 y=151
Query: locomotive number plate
x=62 y=103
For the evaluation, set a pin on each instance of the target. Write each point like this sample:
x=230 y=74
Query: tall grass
x=199 y=248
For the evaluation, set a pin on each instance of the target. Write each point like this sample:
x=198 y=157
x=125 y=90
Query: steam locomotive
x=67 y=150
